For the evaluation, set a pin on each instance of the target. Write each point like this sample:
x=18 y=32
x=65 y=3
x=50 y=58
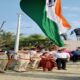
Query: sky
x=9 y=10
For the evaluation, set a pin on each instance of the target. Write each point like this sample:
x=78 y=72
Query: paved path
x=72 y=73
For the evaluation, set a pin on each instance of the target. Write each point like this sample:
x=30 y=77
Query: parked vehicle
x=75 y=55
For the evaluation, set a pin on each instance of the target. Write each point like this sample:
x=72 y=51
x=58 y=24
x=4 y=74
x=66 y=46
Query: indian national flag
x=48 y=15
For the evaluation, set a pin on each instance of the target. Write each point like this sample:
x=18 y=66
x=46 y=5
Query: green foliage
x=35 y=40
x=7 y=41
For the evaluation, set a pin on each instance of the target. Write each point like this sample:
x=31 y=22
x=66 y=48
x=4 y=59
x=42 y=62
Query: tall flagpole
x=16 y=48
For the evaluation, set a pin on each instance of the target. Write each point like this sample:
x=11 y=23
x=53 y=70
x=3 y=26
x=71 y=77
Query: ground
x=72 y=73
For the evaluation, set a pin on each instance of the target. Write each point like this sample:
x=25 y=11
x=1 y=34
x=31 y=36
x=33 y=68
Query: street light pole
x=16 y=48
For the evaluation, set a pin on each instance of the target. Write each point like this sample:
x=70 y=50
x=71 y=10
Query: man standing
x=61 y=58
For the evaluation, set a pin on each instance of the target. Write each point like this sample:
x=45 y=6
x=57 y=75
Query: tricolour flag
x=48 y=15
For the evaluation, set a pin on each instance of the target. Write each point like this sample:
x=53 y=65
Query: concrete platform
x=72 y=73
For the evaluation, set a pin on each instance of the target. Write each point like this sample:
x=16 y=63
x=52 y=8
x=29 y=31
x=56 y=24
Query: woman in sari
x=47 y=61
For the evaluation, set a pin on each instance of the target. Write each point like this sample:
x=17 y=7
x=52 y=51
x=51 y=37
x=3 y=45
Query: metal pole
x=16 y=48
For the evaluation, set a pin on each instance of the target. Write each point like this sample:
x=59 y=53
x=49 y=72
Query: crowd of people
x=24 y=60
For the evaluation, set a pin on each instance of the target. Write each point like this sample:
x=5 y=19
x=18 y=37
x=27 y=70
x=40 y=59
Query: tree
x=6 y=39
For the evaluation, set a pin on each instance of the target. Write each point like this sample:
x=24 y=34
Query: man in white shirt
x=61 y=59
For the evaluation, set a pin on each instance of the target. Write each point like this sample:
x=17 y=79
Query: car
x=75 y=55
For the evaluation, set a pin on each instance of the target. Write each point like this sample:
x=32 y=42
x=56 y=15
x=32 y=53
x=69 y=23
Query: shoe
x=59 y=69
x=2 y=72
x=64 y=69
